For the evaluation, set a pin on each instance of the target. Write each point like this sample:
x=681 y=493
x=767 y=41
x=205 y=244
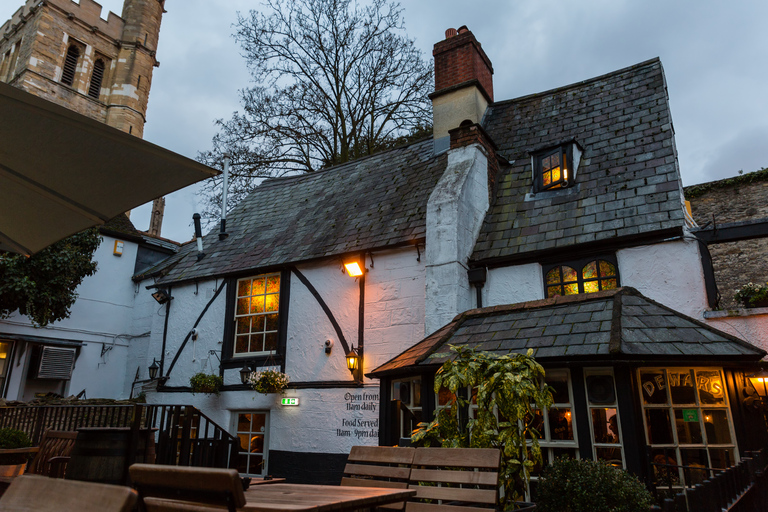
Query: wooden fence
x=185 y=436
x=740 y=488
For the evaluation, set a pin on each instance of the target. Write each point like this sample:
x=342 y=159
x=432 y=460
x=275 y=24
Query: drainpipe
x=477 y=279
x=223 y=232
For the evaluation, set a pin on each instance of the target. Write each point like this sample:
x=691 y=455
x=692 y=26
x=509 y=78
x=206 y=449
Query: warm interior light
x=352 y=360
x=759 y=381
x=565 y=174
x=353 y=269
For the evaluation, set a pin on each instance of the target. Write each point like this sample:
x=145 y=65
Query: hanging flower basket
x=204 y=383
x=752 y=295
x=268 y=381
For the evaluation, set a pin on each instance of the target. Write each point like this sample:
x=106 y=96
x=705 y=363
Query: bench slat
x=454 y=494
x=490 y=478
x=377 y=471
x=413 y=506
x=486 y=458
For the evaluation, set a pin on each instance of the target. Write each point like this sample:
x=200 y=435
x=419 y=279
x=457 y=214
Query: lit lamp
x=759 y=381
x=153 y=369
x=245 y=373
x=353 y=268
x=353 y=363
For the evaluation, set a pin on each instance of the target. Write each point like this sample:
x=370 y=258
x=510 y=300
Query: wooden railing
x=185 y=436
x=740 y=488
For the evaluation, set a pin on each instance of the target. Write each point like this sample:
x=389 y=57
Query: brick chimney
x=463 y=83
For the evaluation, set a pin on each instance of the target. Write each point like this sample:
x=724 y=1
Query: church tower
x=66 y=53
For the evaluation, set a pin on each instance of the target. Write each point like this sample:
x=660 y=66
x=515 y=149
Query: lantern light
x=153 y=369
x=759 y=381
x=245 y=373
x=352 y=360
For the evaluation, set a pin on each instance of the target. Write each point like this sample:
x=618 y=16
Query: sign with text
x=360 y=427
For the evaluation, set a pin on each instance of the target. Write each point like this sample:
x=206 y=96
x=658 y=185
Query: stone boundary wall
x=743 y=197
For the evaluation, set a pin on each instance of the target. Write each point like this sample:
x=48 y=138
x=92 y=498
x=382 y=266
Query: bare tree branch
x=333 y=81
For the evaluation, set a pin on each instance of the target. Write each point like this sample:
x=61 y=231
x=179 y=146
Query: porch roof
x=609 y=324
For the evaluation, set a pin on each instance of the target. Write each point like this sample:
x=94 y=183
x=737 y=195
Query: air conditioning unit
x=52 y=363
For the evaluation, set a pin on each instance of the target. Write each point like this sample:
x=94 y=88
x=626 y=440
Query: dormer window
x=555 y=167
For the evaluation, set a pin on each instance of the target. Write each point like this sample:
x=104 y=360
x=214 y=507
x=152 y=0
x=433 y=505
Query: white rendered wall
x=327 y=420
x=750 y=325
x=455 y=213
x=669 y=273
x=510 y=285
x=100 y=317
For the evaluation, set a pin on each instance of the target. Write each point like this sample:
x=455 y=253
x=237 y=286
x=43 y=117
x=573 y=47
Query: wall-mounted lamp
x=153 y=369
x=328 y=346
x=354 y=269
x=759 y=382
x=161 y=296
x=245 y=374
x=355 y=364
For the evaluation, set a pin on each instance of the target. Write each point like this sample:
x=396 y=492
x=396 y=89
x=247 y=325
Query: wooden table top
x=320 y=498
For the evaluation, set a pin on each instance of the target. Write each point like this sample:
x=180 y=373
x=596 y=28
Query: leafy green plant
x=205 y=383
x=268 y=381
x=752 y=294
x=11 y=438
x=570 y=485
x=507 y=389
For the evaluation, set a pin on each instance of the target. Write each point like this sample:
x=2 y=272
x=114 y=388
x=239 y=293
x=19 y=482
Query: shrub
x=571 y=485
x=11 y=438
x=204 y=383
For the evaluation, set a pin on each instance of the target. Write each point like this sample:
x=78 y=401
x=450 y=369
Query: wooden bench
x=379 y=466
x=454 y=479
x=53 y=454
x=195 y=486
x=42 y=494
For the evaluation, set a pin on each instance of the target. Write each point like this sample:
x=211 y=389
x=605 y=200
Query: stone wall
x=741 y=198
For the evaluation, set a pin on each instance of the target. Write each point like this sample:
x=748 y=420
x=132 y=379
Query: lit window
x=581 y=277
x=688 y=424
x=70 y=65
x=253 y=432
x=94 y=90
x=555 y=167
x=257 y=315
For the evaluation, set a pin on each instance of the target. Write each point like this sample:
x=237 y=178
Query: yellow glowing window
x=593 y=276
x=257 y=314
x=552 y=169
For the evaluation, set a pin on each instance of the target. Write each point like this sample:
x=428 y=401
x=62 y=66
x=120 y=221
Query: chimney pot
x=463 y=29
x=450 y=33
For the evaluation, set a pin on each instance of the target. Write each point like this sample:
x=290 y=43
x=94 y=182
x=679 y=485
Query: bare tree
x=333 y=81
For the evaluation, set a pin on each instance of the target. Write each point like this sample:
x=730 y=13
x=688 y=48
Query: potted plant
x=752 y=295
x=268 y=381
x=205 y=383
x=13 y=457
x=506 y=389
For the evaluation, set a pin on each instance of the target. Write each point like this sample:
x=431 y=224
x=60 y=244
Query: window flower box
x=752 y=295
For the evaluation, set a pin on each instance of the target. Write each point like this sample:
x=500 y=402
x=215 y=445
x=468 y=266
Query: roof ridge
x=639 y=65
x=338 y=167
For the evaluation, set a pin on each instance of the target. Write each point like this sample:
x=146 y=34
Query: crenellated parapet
x=87 y=12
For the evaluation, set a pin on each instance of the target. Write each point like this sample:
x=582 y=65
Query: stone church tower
x=66 y=53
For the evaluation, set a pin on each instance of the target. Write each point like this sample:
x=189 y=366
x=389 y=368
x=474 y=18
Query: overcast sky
x=714 y=53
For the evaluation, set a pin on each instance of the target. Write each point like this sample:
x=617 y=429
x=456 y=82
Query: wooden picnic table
x=319 y=498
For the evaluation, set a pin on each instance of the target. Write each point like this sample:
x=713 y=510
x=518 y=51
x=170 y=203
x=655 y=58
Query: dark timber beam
x=733 y=232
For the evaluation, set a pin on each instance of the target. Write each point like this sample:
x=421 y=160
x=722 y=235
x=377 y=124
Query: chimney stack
x=463 y=83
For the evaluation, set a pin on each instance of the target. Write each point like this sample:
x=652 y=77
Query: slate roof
x=627 y=182
x=613 y=324
x=373 y=202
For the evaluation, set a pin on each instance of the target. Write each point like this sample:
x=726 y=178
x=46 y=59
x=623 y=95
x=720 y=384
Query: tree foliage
x=333 y=81
x=507 y=389
x=43 y=285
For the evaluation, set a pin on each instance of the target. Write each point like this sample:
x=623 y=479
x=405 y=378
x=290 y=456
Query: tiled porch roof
x=611 y=324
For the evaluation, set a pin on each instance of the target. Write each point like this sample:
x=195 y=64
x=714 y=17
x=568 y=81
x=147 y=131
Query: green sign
x=289 y=401
x=691 y=415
